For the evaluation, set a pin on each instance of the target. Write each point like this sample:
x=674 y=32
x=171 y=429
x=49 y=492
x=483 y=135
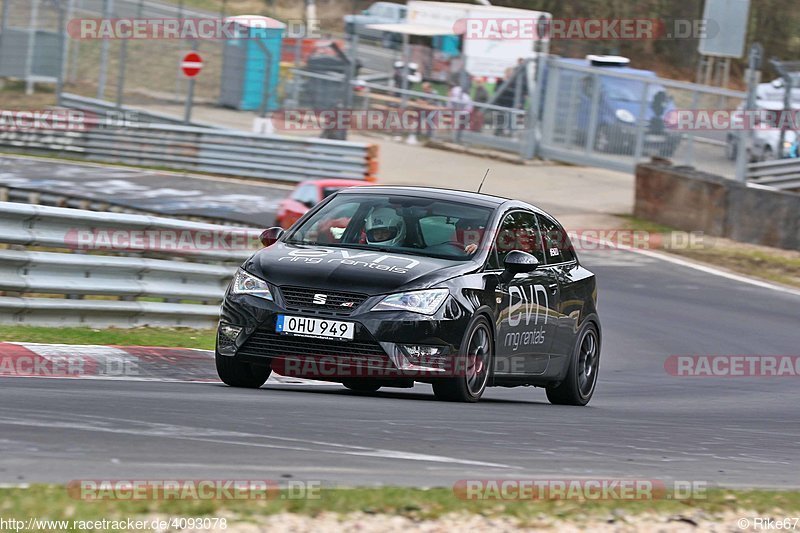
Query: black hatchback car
x=387 y=286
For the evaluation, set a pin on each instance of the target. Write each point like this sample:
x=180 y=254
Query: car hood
x=364 y=271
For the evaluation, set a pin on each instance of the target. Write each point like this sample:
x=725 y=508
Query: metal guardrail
x=226 y=152
x=130 y=277
x=86 y=280
x=114 y=113
x=99 y=313
x=781 y=174
x=58 y=198
x=58 y=227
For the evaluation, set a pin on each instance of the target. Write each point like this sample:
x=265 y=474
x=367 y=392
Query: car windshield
x=397 y=224
x=623 y=90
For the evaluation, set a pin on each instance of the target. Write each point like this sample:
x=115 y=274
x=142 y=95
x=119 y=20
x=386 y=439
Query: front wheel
x=579 y=383
x=472 y=369
x=240 y=374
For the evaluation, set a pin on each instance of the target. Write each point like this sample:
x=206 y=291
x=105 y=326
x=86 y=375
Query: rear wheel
x=472 y=373
x=362 y=385
x=579 y=383
x=240 y=374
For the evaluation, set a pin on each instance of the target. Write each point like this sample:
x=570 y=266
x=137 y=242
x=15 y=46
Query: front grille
x=336 y=302
x=269 y=344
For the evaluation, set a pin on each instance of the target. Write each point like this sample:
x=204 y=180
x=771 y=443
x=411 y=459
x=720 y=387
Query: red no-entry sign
x=191 y=64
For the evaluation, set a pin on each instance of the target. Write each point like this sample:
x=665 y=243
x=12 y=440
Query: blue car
x=619 y=105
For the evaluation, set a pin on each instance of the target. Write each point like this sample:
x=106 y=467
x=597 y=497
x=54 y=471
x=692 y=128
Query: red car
x=306 y=195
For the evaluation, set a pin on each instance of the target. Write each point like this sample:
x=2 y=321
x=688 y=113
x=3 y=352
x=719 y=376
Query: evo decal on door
x=524 y=308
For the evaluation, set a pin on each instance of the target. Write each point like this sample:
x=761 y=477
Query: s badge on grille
x=320 y=299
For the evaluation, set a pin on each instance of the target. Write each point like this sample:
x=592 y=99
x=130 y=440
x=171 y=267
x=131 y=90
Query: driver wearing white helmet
x=385 y=227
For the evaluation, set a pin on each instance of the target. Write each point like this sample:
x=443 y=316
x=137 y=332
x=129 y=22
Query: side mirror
x=270 y=236
x=518 y=262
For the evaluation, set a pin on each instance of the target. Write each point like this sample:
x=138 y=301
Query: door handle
x=553 y=287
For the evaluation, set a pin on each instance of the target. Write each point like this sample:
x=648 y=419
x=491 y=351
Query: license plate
x=315 y=327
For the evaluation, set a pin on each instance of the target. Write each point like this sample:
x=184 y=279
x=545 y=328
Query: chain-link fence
x=563 y=110
x=615 y=118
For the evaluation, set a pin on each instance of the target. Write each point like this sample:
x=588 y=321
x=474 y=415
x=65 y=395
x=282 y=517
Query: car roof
x=333 y=182
x=430 y=192
x=475 y=198
x=610 y=68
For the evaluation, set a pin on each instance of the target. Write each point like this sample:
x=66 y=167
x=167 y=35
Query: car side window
x=555 y=241
x=518 y=231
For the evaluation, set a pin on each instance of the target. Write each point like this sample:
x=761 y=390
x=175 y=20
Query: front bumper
x=623 y=138
x=378 y=349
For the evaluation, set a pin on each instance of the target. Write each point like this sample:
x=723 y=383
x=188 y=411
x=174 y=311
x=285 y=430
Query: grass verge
x=54 y=502
x=141 y=336
x=770 y=264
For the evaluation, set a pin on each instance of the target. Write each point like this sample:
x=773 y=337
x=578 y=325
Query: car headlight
x=423 y=302
x=625 y=116
x=246 y=283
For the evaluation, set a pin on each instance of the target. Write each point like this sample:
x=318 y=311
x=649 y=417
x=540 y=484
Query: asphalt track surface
x=642 y=423
x=166 y=193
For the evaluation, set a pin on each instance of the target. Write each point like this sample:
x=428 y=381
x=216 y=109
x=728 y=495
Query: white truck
x=485 y=56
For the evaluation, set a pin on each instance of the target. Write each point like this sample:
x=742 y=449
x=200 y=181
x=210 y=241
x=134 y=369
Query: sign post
x=746 y=137
x=191 y=65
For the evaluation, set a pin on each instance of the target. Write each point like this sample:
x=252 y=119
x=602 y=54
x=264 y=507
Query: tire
x=238 y=374
x=469 y=385
x=362 y=385
x=579 y=384
x=669 y=148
